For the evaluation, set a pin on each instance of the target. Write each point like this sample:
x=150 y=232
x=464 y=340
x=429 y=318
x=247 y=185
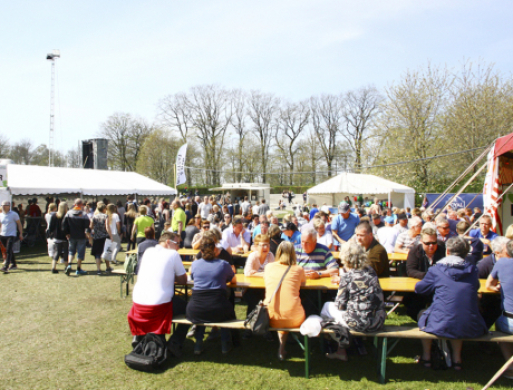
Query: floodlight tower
x=51 y=57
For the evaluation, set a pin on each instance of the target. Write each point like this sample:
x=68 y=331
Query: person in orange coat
x=285 y=309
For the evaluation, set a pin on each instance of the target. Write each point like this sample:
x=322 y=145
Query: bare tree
x=263 y=109
x=241 y=130
x=126 y=136
x=74 y=158
x=325 y=122
x=360 y=110
x=212 y=110
x=22 y=152
x=293 y=120
x=4 y=147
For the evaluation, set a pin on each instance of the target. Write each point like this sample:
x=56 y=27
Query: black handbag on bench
x=258 y=319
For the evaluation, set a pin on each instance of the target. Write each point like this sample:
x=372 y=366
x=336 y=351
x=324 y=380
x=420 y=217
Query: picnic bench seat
x=382 y=349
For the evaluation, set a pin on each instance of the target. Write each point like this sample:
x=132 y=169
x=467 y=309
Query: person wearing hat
x=402 y=223
x=9 y=222
x=344 y=224
x=291 y=234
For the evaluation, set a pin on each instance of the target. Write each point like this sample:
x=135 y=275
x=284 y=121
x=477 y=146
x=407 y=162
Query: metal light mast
x=51 y=57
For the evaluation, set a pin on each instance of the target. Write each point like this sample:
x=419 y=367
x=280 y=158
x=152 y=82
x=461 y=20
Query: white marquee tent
x=337 y=188
x=37 y=180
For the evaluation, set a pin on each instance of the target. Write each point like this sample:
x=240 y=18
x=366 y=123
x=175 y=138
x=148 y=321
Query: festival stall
x=334 y=190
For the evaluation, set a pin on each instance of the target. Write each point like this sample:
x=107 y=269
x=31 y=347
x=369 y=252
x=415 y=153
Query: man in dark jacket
x=376 y=253
x=420 y=258
x=75 y=224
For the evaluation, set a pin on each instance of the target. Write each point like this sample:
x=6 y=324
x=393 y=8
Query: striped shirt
x=405 y=241
x=319 y=259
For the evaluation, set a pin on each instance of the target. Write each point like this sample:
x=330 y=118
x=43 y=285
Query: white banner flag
x=180 y=165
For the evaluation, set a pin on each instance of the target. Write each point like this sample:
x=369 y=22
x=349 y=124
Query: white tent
x=337 y=188
x=37 y=180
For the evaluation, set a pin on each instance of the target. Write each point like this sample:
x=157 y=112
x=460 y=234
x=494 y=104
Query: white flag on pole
x=180 y=165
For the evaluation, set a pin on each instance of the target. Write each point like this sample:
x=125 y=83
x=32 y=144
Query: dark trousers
x=8 y=242
x=414 y=303
x=61 y=250
x=252 y=297
x=180 y=332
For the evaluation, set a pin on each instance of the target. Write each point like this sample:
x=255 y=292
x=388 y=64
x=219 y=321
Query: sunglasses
x=206 y=226
x=429 y=243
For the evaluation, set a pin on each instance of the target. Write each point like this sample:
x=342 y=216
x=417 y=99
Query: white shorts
x=52 y=248
x=330 y=310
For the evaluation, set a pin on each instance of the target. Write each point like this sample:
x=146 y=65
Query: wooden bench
x=380 y=339
x=124 y=278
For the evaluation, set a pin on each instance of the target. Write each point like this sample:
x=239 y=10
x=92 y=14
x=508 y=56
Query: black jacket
x=417 y=263
x=75 y=224
x=55 y=229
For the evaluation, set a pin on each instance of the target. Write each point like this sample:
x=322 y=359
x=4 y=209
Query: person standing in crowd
x=285 y=309
x=113 y=225
x=205 y=208
x=58 y=236
x=98 y=226
x=121 y=212
x=9 y=222
x=344 y=224
x=178 y=222
x=141 y=223
x=130 y=217
x=75 y=226
x=52 y=209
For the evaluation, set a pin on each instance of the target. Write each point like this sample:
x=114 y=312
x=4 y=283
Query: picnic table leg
x=383 y=363
x=307 y=358
x=127 y=285
x=121 y=286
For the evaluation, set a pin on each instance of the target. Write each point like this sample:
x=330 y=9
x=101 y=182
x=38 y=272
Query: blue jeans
x=200 y=333
x=504 y=324
x=77 y=246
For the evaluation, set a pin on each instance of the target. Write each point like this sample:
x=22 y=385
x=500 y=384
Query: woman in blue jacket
x=454 y=313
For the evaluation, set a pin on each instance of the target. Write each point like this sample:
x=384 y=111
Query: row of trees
x=252 y=136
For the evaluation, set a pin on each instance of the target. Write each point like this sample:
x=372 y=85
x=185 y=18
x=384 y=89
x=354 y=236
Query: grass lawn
x=63 y=332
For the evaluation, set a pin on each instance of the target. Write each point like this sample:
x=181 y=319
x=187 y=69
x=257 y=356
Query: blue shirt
x=345 y=227
x=211 y=274
x=256 y=231
x=9 y=225
x=313 y=212
x=503 y=272
x=490 y=236
x=294 y=239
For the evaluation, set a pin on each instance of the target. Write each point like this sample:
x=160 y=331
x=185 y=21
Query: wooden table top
x=398 y=284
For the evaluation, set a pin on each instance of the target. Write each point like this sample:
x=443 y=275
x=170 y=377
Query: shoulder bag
x=258 y=319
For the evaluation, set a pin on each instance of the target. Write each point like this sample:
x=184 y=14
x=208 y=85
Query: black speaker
x=87 y=155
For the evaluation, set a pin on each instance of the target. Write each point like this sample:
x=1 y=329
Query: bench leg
x=121 y=286
x=307 y=358
x=383 y=361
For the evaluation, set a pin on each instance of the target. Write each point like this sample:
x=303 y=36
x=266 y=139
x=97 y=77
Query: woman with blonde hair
x=130 y=217
x=98 y=226
x=113 y=226
x=58 y=236
x=285 y=309
x=359 y=304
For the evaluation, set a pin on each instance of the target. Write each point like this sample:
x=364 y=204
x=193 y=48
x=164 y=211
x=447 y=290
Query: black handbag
x=258 y=319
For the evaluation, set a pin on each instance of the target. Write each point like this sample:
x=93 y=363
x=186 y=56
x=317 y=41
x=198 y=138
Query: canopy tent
x=350 y=184
x=37 y=180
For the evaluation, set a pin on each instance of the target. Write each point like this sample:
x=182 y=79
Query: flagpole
x=174 y=167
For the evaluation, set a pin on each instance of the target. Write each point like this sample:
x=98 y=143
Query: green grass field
x=63 y=332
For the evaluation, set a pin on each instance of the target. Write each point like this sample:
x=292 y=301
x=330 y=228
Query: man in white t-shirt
x=245 y=206
x=153 y=295
x=387 y=235
x=205 y=208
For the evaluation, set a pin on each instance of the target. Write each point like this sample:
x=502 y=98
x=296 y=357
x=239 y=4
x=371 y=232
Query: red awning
x=503 y=145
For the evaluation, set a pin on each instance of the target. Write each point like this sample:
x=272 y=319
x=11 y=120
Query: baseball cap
x=389 y=219
x=343 y=208
x=6 y=203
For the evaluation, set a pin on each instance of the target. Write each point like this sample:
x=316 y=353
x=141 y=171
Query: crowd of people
x=443 y=252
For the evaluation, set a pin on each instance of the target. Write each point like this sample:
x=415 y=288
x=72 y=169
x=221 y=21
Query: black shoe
x=54 y=271
x=67 y=271
x=13 y=267
x=98 y=272
x=4 y=270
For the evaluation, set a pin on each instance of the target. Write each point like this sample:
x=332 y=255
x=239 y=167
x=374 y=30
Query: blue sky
x=124 y=56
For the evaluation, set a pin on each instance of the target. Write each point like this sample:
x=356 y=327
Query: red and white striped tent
x=499 y=179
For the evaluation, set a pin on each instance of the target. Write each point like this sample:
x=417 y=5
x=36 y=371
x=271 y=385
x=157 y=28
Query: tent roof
x=353 y=183
x=37 y=180
x=503 y=145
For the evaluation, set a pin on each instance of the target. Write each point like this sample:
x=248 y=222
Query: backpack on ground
x=130 y=263
x=149 y=355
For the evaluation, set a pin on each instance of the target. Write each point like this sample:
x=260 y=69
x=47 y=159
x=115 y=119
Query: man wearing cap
x=387 y=235
x=376 y=253
x=291 y=234
x=344 y=225
x=9 y=221
x=402 y=223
